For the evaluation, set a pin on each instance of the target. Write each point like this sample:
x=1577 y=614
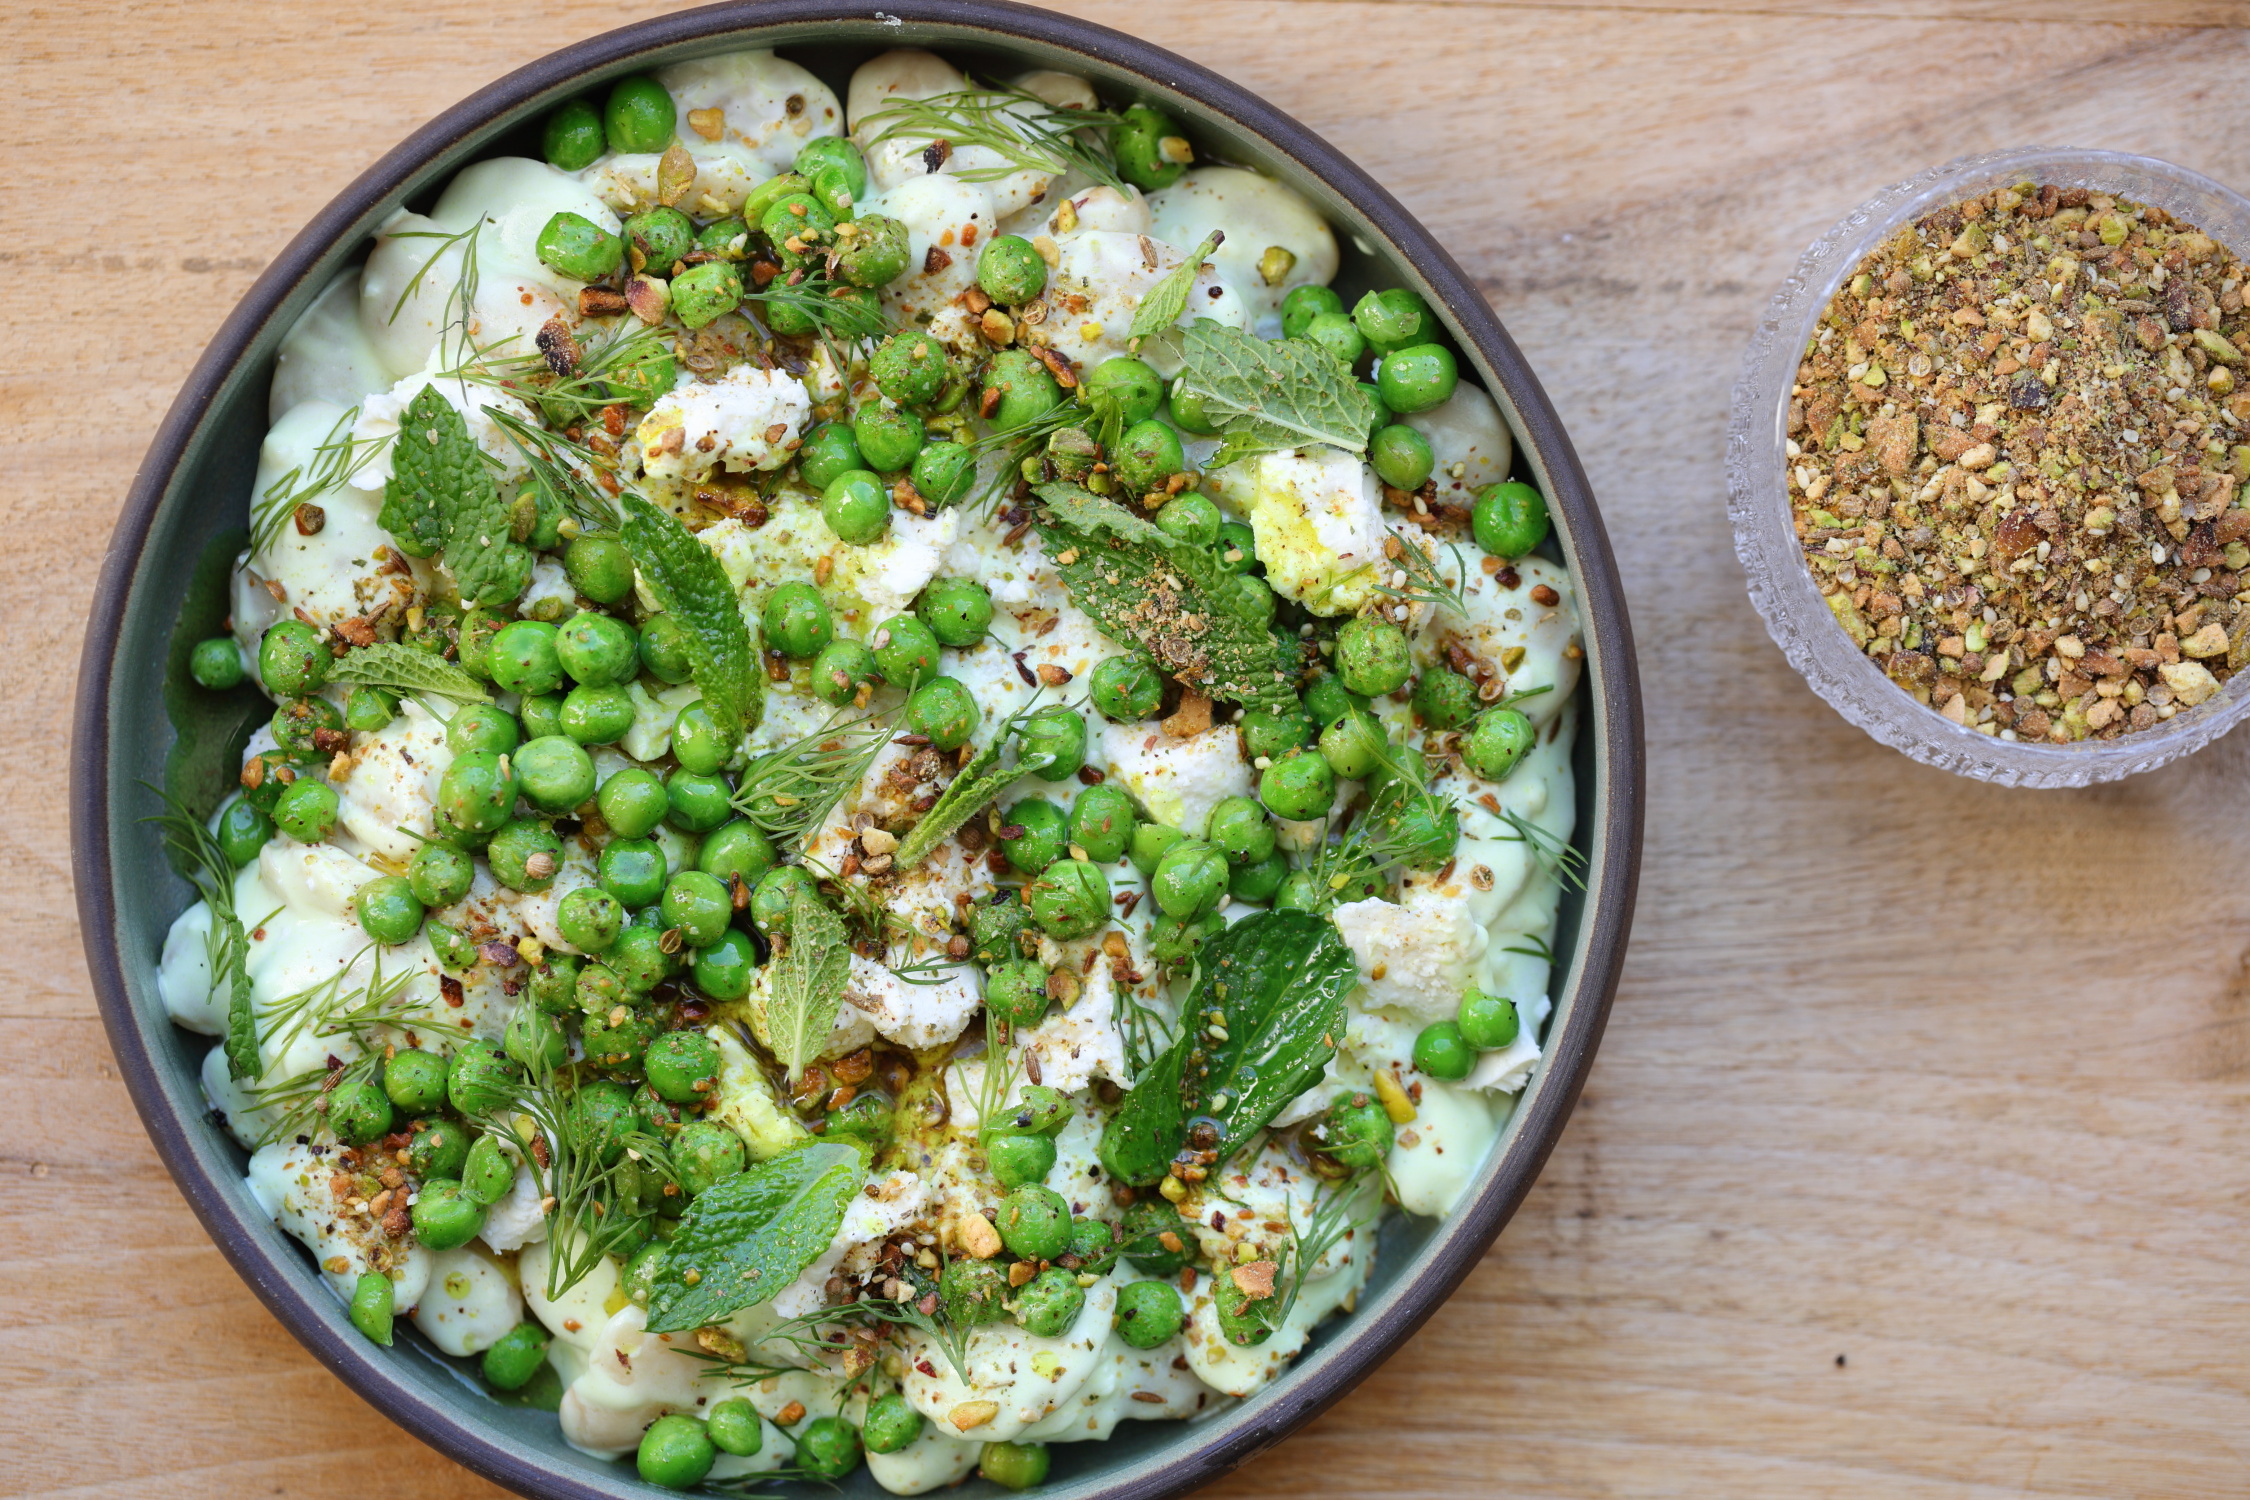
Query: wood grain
x=1917 y=1161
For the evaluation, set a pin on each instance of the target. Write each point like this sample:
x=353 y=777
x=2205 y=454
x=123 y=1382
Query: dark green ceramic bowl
x=159 y=593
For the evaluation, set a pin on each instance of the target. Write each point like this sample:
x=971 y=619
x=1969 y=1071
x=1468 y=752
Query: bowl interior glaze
x=189 y=500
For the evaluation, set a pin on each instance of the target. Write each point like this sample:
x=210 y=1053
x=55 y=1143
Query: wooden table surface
x=1917 y=1161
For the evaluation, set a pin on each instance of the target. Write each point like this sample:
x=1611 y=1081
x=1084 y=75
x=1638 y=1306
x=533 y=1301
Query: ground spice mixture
x=2016 y=450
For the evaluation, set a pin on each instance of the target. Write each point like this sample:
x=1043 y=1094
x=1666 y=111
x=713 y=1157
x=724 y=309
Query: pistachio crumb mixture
x=2016 y=451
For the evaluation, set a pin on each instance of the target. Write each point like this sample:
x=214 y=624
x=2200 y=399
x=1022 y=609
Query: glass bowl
x=1782 y=587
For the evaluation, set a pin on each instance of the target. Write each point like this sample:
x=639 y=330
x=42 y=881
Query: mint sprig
x=745 y=1239
x=691 y=586
x=441 y=496
x=1270 y=397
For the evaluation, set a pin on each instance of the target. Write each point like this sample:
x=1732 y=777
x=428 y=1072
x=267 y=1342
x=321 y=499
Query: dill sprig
x=816 y=300
x=380 y=1005
x=788 y=793
x=337 y=458
x=558 y=470
x=1423 y=583
x=822 y=1332
x=579 y=396
x=1024 y=130
x=591 y=1207
x=1331 y=1220
x=460 y=298
x=195 y=852
x=1538 y=948
x=1554 y=854
x=1027 y=439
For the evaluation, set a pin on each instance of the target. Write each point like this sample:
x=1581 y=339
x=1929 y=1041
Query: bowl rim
x=1758 y=505
x=1612 y=714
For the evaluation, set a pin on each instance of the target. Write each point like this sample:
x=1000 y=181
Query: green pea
x=1444 y=698
x=601 y=1116
x=1154 y=1237
x=675 y=1453
x=540 y=716
x=1149 y=1312
x=479 y=1078
x=729 y=237
x=1394 y=319
x=842 y=671
x=800 y=227
x=456 y=951
x=796 y=620
x=829 y=451
x=703 y=294
x=1489 y=1023
x=1125 y=689
x=905 y=649
x=368 y=709
x=1239 y=830
x=1441 y=1052
x=892 y=1424
x=972 y=1291
x=572 y=140
x=475 y=642
x=307 y=810
x=1355 y=745
x=641 y=375
x=1510 y=520
x=372 y=1298
x=664 y=649
x=1010 y=271
x=996 y=929
x=1258 y=881
x=1034 y=834
x=615 y=1043
x=1305 y=303
x=631 y=869
x=414 y=1081
x=638 y=117
x=943 y=710
x=554 y=773
x=1356 y=1132
x=300 y=723
x=1041 y=1109
x=1027 y=389
x=661 y=236
x=1327 y=699
x=1147 y=455
x=533 y=1038
x=596 y=715
x=1136 y=389
x=1190 y=519
x=243 y=831
x=1014 y=1466
x=957 y=610
x=683 y=1066
x=491 y=1172
x=597 y=649
x=707 y=1153
x=1018 y=1159
x=599 y=567
x=1072 y=452
x=857 y=507
x=1150 y=843
x=1497 y=743
x=1402 y=457
x=1270 y=733
x=827 y=1448
x=944 y=472
x=776 y=894
x=1050 y=1304
x=836 y=152
x=1053 y=742
x=1417 y=378
x=736 y=848
x=579 y=248
x=1372 y=655
x=1016 y=992
x=554 y=980
x=1151 y=153
x=1101 y=823
x=632 y=803
x=1188 y=413
x=910 y=368
x=525 y=855
x=482 y=728
x=725 y=969
x=698 y=906
x=1070 y=899
x=358 y=1112
x=216 y=663
x=871 y=250
x=440 y=1151
x=888 y=437
x=1297 y=787
x=524 y=659
x=590 y=919
x=1190 y=879
x=1244 y=1321
x=1174 y=940
x=1338 y=335
x=445 y=1217
x=387 y=909
x=515 y=1357
x=698 y=803
x=292 y=660
x=734 y=1427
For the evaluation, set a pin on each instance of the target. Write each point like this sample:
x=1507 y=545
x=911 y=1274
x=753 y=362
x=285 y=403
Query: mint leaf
x=432 y=460
x=488 y=565
x=806 y=982
x=1279 y=979
x=1166 y=300
x=691 y=586
x=404 y=669
x=1269 y=397
x=749 y=1236
x=1170 y=601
